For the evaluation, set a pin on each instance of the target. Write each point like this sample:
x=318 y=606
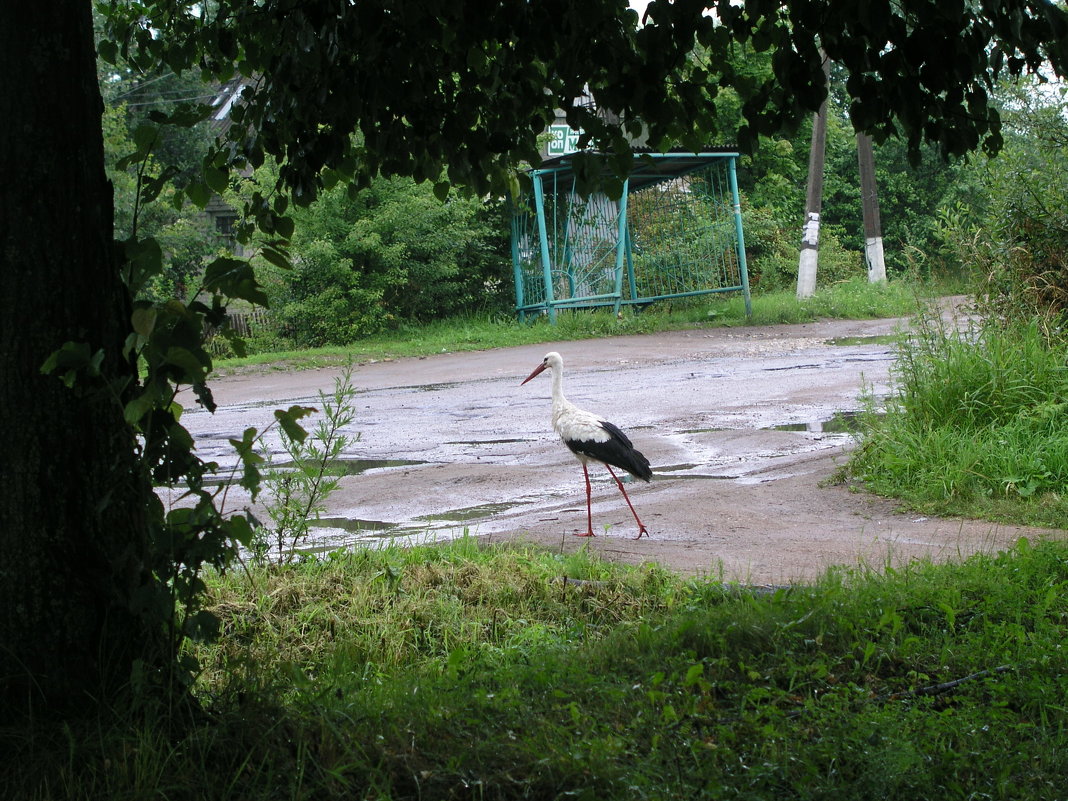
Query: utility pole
x=810 y=234
x=869 y=198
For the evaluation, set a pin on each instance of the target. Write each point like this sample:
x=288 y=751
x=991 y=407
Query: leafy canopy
x=462 y=88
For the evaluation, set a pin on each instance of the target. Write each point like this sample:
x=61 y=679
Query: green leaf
x=145 y=137
x=235 y=279
x=136 y=409
x=217 y=180
x=203 y=626
x=199 y=193
x=276 y=257
x=693 y=675
x=144 y=259
x=185 y=115
x=108 y=51
x=143 y=320
x=241 y=530
x=284 y=226
x=288 y=420
x=441 y=190
x=71 y=359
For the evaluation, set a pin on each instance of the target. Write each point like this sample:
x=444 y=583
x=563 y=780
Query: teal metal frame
x=583 y=250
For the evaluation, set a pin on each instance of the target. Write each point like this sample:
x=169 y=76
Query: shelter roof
x=649 y=167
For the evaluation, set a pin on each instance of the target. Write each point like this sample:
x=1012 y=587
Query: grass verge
x=855 y=299
x=466 y=672
x=976 y=425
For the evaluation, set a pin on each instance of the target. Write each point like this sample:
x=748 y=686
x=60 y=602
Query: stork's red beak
x=537 y=371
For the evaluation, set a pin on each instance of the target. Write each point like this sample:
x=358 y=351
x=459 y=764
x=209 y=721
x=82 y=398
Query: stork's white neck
x=562 y=407
x=558 y=388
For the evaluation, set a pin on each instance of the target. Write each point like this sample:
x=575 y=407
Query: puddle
x=679 y=471
x=354 y=524
x=434 y=387
x=840 y=423
x=469 y=513
x=883 y=339
x=441 y=526
x=486 y=441
x=354 y=467
x=793 y=367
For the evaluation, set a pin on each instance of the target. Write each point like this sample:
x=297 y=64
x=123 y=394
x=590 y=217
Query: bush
x=324 y=300
x=772 y=247
x=393 y=252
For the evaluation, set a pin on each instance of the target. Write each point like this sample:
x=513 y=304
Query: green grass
x=977 y=425
x=850 y=300
x=469 y=673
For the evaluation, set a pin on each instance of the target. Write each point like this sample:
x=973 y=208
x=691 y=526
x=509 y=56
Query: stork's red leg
x=589 y=511
x=641 y=526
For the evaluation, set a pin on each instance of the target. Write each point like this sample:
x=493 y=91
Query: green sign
x=562 y=140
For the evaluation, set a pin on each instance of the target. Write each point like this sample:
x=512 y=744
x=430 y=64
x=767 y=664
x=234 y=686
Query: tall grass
x=977 y=424
x=469 y=673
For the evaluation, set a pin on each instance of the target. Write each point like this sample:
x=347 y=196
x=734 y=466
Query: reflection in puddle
x=470 y=513
x=330 y=533
x=344 y=467
x=354 y=525
x=840 y=423
x=681 y=471
x=883 y=339
x=354 y=467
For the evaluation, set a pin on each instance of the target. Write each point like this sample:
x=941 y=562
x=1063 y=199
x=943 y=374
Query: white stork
x=590 y=437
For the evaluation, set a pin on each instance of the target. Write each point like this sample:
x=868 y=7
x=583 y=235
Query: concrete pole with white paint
x=810 y=234
x=873 y=234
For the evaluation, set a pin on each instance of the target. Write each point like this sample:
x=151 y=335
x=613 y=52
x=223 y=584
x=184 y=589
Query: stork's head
x=552 y=361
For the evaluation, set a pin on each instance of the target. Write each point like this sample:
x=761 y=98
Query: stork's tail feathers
x=639 y=466
x=627 y=457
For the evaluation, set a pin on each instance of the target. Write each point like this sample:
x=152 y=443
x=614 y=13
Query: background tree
x=1006 y=219
x=461 y=88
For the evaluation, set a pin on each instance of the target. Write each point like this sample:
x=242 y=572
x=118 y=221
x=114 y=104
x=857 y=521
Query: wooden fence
x=244 y=323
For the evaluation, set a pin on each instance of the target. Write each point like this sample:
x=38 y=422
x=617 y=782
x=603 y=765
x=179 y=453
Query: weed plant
x=977 y=424
x=296 y=492
x=462 y=672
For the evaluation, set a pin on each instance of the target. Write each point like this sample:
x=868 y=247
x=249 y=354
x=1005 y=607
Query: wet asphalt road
x=743 y=428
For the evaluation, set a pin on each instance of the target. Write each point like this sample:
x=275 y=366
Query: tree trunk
x=73 y=500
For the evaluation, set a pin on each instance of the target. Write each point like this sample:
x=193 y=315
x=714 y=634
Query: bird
x=592 y=438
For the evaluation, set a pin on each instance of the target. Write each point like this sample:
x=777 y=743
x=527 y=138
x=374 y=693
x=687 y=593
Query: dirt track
x=738 y=424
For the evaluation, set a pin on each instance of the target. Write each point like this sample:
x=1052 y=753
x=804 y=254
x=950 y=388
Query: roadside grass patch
x=854 y=299
x=464 y=671
x=976 y=424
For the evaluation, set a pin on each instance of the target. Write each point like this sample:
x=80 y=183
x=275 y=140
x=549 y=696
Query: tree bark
x=73 y=500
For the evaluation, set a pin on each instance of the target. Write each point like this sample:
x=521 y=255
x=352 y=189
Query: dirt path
x=739 y=424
